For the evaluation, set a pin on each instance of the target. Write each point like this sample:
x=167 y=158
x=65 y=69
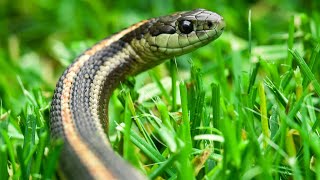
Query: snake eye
x=185 y=26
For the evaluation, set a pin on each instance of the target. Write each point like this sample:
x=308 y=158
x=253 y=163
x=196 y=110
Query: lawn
x=246 y=106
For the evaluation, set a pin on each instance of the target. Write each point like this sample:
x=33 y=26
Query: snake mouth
x=221 y=25
x=207 y=28
x=192 y=41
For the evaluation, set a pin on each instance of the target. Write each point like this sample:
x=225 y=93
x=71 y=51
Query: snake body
x=78 y=112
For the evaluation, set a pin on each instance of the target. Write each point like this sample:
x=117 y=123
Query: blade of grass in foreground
x=146 y=148
x=215 y=88
x=3 y=163
x=127 y=148
x=263 y=110
x=163 y=167
x=3 y=147
x=183 y=162
x=52 y=159
x=306 y=71
x=173 y=73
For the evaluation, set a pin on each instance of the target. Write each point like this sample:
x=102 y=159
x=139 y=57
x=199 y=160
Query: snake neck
x=101 y=75
x=85 y=89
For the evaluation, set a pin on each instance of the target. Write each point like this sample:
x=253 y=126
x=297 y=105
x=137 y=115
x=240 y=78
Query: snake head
x=177 y=34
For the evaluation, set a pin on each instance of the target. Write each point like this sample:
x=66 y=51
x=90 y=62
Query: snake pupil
x=185 y=26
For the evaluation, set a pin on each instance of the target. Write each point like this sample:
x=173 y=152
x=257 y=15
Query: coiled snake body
x=78 y=112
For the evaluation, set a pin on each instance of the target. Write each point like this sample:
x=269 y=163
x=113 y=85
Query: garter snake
x=79 y=106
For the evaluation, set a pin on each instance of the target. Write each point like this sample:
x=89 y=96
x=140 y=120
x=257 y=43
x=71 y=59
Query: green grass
x=246 y=106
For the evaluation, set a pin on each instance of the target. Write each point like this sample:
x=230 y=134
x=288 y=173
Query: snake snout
x=221 y=24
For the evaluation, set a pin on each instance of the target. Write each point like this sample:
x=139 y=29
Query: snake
x=79 y=107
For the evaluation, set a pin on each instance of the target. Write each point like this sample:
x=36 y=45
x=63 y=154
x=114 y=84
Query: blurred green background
x=39 y=38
